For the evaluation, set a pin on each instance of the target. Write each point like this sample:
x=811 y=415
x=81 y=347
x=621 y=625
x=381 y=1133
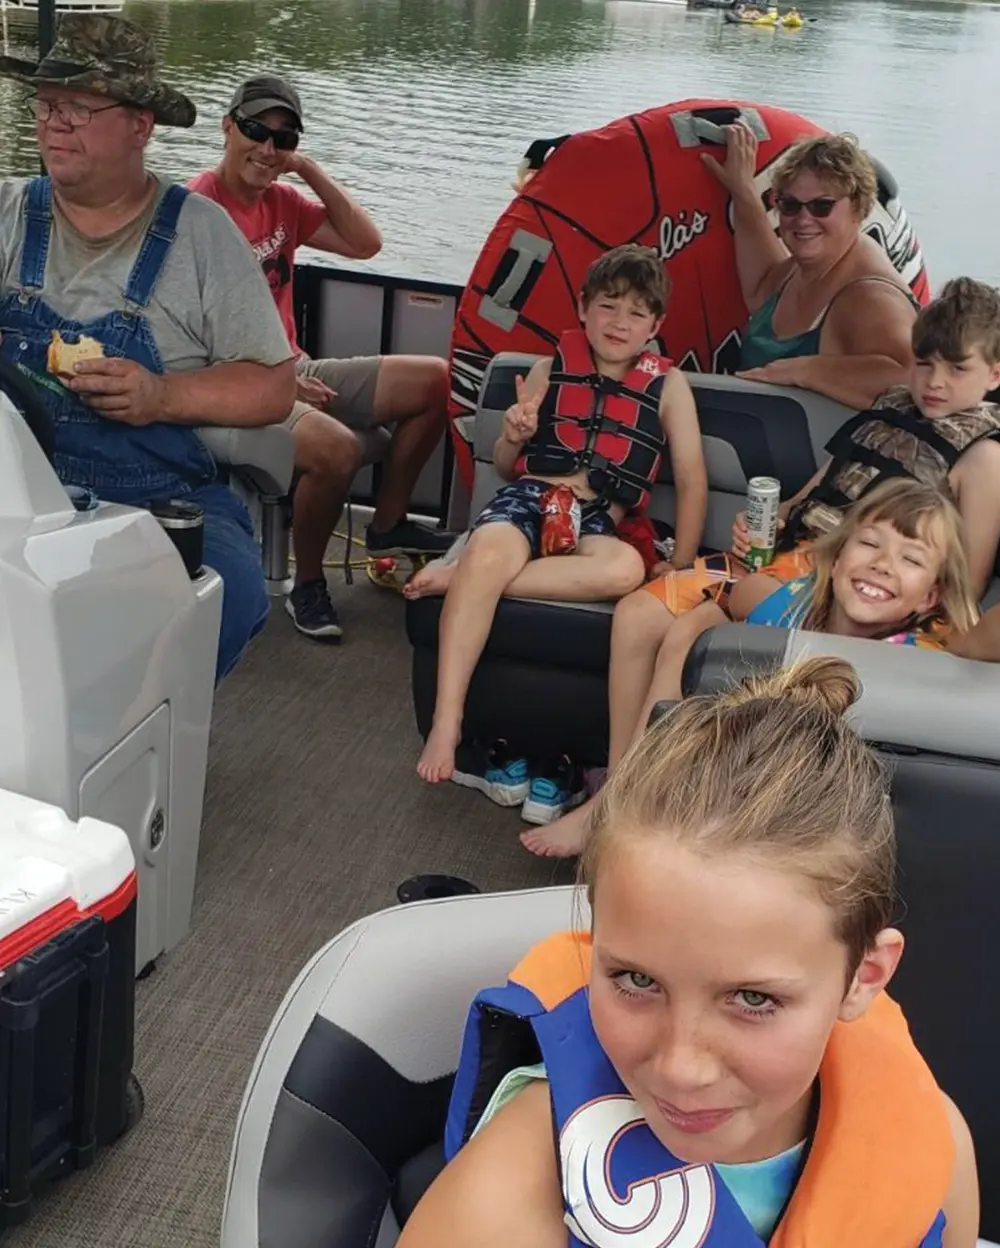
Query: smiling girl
x=716 y=1062
x=895 y=569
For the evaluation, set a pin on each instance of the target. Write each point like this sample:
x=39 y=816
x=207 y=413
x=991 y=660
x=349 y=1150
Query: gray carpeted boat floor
x=313 y=815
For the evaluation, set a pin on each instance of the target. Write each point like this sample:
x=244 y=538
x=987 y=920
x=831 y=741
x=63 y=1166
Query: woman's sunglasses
x=284 y=139
x=820 y=207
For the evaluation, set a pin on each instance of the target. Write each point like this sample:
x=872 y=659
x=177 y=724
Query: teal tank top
x=761 y=345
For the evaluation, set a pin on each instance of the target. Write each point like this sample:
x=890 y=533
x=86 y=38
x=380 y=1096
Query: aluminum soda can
x=763 y=500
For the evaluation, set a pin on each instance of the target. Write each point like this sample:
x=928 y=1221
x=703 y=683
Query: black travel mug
x=184 y=524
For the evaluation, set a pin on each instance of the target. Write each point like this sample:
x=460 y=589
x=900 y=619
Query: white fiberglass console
x=107 y=669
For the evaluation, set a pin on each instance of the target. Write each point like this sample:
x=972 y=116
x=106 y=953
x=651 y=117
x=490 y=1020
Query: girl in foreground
x=895 y=569
x=719 y=1058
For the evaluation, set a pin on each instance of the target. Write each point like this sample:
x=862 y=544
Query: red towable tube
x=639 y=179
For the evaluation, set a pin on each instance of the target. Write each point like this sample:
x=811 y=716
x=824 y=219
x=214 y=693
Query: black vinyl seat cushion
x=541 y=684
x=549 y=634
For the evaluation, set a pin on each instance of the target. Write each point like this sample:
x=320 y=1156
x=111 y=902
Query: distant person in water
x=828 y=311
x=337 y=399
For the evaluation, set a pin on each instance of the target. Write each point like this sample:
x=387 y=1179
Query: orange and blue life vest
x=876 y=1170
x=608 y=426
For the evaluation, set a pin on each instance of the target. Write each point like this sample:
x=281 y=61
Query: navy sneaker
x=408 y=537
x=493 y=771
x=559 y=788
x=314 y=614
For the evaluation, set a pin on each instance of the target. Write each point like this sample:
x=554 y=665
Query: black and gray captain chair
x=262 y=463
x=342 y=1123
x=342 y=1120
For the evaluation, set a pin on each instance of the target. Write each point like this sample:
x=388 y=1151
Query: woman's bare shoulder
x=501 y=1189
x=870 y=275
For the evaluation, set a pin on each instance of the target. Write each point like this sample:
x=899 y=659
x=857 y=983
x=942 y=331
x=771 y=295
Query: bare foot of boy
x=437 y=761
x=562 y=839
x=434 y=579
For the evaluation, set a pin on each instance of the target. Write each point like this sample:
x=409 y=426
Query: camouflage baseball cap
x=107 y=55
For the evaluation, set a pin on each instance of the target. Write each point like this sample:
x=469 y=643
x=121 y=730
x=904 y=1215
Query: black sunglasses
x=820 y=207
x=284 y=139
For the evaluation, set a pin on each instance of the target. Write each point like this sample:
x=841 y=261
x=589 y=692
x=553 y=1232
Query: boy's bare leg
x=658 y=666
x=638 y=630
x=430 y=581
x=436 y=577
x=750 y=592
x=640 y=624
x=602 y=567
x=494 y=556
x=666 y=683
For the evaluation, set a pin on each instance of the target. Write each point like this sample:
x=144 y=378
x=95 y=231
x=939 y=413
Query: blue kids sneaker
x=558 y=788
x=492 y=770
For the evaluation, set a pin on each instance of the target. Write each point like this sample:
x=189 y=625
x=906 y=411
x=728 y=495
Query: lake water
x=423 y=108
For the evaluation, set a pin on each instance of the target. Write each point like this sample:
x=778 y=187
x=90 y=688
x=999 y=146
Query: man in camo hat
x=160 y=278
x=106 y=56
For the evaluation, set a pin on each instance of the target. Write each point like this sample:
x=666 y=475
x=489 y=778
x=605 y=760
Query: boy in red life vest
x=596 y=418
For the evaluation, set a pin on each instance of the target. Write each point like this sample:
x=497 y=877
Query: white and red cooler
x=67 y=996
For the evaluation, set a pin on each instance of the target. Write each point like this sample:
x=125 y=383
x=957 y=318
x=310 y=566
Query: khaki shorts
x=713 y=576
x=354 y=382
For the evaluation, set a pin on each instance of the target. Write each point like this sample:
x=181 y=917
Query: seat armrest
x=263 y=456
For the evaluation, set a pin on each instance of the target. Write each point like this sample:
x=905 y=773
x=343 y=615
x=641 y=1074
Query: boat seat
x=263 y=461
x=541 y=684
x=260 y=464
x=262 y=456
x=341 y=1126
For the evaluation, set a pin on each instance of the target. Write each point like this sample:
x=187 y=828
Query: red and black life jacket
x=610 y=428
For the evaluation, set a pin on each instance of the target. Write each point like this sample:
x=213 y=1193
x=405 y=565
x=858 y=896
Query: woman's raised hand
x=741 y=159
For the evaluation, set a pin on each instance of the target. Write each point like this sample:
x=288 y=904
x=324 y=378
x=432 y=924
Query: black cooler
x=67 y=996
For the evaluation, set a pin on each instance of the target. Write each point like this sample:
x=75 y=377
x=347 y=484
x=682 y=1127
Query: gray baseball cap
x=257 y=95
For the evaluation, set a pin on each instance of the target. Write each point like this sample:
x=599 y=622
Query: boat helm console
x=107 y=670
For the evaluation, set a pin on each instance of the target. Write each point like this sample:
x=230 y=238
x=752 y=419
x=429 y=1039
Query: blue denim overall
x=124 y=463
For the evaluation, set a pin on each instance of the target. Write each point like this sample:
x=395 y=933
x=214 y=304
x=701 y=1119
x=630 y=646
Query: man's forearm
x=240 y=395
x=344 y=213
x=855 y=380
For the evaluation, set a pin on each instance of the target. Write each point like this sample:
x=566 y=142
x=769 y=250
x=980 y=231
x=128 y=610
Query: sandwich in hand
x=64 y=356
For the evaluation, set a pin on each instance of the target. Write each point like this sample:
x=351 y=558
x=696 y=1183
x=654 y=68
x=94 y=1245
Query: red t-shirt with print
x=279 y=222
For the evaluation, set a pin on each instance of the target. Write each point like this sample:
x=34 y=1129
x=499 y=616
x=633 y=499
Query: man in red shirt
x=336 y=398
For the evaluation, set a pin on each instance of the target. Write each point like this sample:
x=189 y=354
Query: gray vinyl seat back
x=748 y=429
x=262 y=457
x=935 y=719
x=343 y=1118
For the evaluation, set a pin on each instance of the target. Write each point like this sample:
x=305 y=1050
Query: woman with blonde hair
x=828 y=312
